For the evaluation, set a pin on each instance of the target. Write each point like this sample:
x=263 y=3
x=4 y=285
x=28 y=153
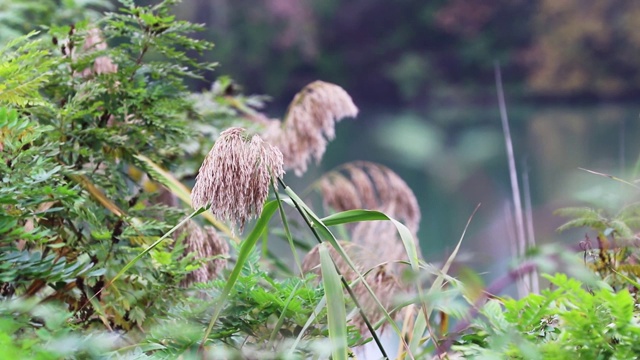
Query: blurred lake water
x=454 y=158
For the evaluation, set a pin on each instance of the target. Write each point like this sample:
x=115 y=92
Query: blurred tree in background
x=407 y=52
x=398 y=53
x=587 y=47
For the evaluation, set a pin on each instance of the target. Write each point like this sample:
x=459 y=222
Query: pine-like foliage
x=71 y=215
x=25 y=67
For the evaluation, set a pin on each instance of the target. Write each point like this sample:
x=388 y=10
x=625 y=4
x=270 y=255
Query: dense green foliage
x=79 y=109
x=566 y=321
x=67 y=177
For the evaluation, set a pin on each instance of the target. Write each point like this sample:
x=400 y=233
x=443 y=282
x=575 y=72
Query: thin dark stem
x=344 y=282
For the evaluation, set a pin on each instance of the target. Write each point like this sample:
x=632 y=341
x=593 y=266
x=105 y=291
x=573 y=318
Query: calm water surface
x=454 y=158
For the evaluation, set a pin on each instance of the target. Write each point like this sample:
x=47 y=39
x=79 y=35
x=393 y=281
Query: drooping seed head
x=374 y=187
x=235 y=176
x=310 y=124
x=204 y=244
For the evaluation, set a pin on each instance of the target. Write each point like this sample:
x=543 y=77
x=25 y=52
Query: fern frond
x=582 y=212
x=621 y=228
x=631 y=269
x=23 y=94
x=597 y=224
x=24 y=68
x=583 y=217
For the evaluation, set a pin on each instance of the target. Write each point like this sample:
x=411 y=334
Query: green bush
x=566 y=321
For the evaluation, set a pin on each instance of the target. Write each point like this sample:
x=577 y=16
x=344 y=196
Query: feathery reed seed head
x=204 y=243
x=310 y=124
x=341 y=194
x=374 y=187
x=94 y=40
x=235 y=176
x=216 y=245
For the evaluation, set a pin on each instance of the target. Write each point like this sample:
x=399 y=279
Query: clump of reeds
x=382 y=281
x=375 y=247
x=309 y=124
x=204 y=243
x=235 y=176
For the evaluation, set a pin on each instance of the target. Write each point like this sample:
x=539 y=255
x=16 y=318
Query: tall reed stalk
x=526 y=283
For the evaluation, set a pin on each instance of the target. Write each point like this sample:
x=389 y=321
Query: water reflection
x=456 y=158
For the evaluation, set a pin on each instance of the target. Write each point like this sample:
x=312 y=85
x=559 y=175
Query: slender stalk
x=513 y=172
x=287 y=231
x=513 y=245
x=370 y=327
x=623 y=163
x=531 y=238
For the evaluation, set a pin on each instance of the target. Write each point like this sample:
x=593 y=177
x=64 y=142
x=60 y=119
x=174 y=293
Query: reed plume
x=376 y=248
x=205 y=244
x=235 y=176
x=374 y=187
x=309 y=124
x=371 y=186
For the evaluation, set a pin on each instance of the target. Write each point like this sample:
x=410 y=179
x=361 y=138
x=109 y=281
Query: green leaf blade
x=336 y=313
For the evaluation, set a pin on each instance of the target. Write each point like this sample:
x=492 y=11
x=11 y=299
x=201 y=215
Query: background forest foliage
x=409 y=52
x=101 y=139
x=416 y=51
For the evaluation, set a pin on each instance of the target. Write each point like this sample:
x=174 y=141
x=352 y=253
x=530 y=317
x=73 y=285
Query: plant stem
x=287 y=231
x=513 y=175
x=344 y=282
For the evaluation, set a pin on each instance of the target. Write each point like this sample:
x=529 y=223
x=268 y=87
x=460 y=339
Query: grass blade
x=310 y=321
x=445 y=268
x=351 y=216
x=611 y=177
x=336 y=313
x=278 y=325
x=287 y=231
x=419 y=328
x=245 y=250
x=325 y=233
